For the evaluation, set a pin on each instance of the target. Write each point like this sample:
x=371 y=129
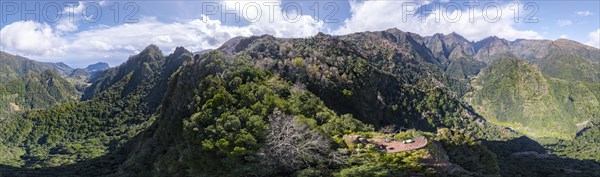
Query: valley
x=267 y=106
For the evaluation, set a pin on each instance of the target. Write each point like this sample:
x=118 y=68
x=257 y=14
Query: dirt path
x=397 y=146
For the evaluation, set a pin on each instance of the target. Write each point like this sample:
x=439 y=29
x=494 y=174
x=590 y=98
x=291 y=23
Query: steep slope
x=68 y=133
x=82 y=78
x=459 y=59
x=219 y=118
x=571 y=61
x=100 y=66
x=35 y=90
x=458 y=52
x=516 y=94
x=27 y=84
x=393 y=82
x=60 y=68
x=562 y=59
x=12 y=66
x=491 y=48
x=89 y=73
x=570 y=72
x=265 y=106
x=132 y=72
x=310 y=64
x=219 y=110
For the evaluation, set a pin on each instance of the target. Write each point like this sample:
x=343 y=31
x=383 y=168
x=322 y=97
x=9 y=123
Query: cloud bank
x=65 y=41
x=114 y=44
x=472 y=23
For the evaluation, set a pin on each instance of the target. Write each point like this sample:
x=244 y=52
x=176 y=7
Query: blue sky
x=80 y=33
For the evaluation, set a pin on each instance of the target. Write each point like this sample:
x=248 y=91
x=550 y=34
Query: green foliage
x=347 y=92
x=34 y=91
x=464 y=150
x=216 y=115
x=26 y=84
x=230 y=119
x=78 y=131
x=515 y=94
x=583 y=147
x=298 y=62
x=366 y=75
x=525 y=157
x=375 y=163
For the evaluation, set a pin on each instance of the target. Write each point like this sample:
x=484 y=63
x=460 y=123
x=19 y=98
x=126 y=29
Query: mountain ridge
x=214 y=113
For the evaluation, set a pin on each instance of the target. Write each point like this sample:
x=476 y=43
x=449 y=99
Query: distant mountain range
x=216 y=112
x=18 y=66
x=539 y=87
x=28 y=84
x=89 y=73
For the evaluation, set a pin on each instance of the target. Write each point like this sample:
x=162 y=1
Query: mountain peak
x=150 y=53
x=177 y=55
x=492 y=38
x=438 y=35
x=151 y=48
x=566 y=42
x=180 y=50
x=395 y=31
x=100 y=66
x=200 y=52
x=458 y=36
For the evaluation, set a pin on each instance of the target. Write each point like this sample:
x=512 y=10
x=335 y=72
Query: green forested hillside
x=265 y=106
x=516 y=94
x=12 y=66
x=458 y=56
x=219 y=117
x=226 y=121
x=72 y=132
x=379 y=84
x=34 y=90
x=27 y=84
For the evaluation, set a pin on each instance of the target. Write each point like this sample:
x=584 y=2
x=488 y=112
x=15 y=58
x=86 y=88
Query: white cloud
x=35 y=40
x=267 y=17
x=584 y=13
x=381 y=15
x=564 y=23
x=116 y=43
x=72 y=15
x=563 y=36
x=72 y=9
x=31 y=38
x=124 y=40
x=163 y=39
x=66 y=26
x=594 y=39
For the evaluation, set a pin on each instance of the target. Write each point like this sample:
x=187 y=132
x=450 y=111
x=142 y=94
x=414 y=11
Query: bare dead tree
x=298 y=87
x=293 y=145
x=388 y=129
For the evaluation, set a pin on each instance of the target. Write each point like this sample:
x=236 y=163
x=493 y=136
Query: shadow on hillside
x=517 y=157
x=525 y=157
x=94 y=167
x=101 y=166
x=107 y=165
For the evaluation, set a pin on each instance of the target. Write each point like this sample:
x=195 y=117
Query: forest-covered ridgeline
x=266 y=106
